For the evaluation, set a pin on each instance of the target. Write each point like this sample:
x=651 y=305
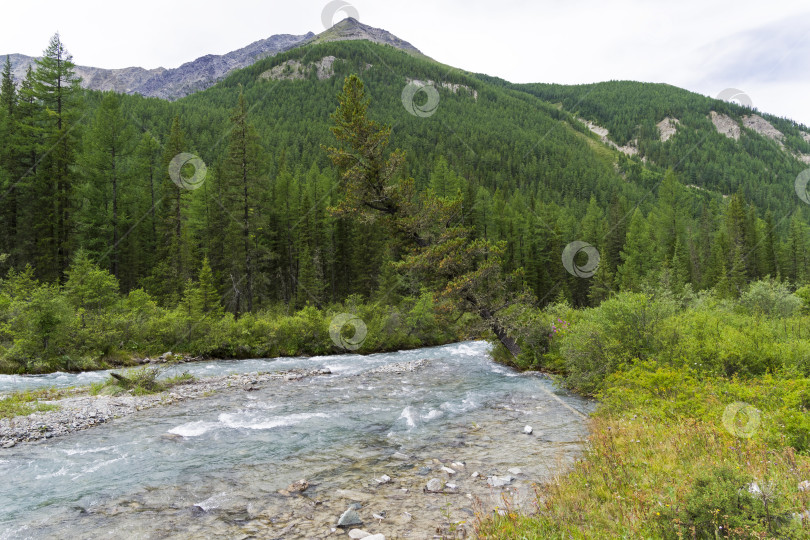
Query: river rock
x=384 y=479
x=458 y=464
x=499 y=481
x=375 y=537
x=348 y=518
x=804 y=485
x=527 y=430
x=357 y=534
x=400 y=456
x=448 y=470
x=476 y=474
x=296 y=487
x=514 y=470
x=434 y=485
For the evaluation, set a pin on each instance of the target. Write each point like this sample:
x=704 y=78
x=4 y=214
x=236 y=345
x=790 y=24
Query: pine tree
x=174 y=249
x=107 y=150
x=56 y=87
x=26 y=147
x=769 y=255
x=239 y=192
x=147 y=175
x=8 y=179
x=638 y=254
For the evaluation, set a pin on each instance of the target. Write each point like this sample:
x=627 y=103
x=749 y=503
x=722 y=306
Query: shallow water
x=213 y=466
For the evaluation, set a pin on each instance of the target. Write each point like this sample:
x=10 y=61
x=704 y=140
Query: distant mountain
x=173 y=83
x=199 y=74
x=352 y=29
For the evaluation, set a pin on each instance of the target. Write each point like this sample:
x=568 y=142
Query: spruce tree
x=56 y=87
x=638 y=254
x=239 y=192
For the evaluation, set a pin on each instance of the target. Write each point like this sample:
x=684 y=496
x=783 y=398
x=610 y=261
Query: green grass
x=666 y=460
x=28 y=402
x=142 y=381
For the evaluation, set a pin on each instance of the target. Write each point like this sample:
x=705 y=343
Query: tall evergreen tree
x=56 y=87
x=107 y=150
x=239 y=194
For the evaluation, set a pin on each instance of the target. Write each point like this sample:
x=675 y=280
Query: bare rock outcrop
x=667 y=128
x=725 y=125
x=763 y=127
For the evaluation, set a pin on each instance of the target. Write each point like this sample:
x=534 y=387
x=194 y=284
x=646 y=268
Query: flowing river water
x=214 y=466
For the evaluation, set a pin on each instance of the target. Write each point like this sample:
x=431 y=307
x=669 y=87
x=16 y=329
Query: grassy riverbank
x=702 y=430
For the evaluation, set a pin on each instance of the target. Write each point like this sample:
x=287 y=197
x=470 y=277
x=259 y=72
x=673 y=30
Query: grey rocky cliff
x=199 y=74
x=177 y=82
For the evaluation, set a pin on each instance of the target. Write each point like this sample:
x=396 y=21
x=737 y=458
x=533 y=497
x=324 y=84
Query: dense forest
x=225 y=205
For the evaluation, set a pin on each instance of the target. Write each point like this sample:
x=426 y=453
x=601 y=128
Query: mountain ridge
x=205 y=71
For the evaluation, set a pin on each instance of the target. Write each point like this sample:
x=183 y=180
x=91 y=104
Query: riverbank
x=416 y=443
x=702 y=428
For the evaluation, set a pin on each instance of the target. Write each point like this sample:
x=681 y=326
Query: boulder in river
x=384 y=479
x=357 y=534
x=499 y=481
x=448 y=470
x=434 y=485
x=296 y=487
x=348 y=518
x=527 y=430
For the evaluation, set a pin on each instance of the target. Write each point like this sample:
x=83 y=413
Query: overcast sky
x=761 y=48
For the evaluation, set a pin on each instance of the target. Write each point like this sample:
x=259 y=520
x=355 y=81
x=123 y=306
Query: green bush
x=726 y=503
x=611 y=336
x=771 y=298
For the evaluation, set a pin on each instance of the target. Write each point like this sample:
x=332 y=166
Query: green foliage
x=770 y=298
x=25 y=403
x=611 y=336
x=728 y=503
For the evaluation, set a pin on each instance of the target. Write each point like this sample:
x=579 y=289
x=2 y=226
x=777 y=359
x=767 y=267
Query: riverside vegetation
x=699 y=302
x=671 y=455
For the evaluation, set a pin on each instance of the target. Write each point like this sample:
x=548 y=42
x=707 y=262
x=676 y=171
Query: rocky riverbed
x=411 y=444
x=86 y=411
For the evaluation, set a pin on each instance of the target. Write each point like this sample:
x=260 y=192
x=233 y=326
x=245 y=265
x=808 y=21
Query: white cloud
x=702 y=45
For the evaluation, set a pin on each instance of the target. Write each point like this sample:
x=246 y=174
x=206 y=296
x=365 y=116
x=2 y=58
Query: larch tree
x=56 y=87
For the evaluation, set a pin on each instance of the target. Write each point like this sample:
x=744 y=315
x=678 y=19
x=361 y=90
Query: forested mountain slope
x=530 y=174
x=716 y=145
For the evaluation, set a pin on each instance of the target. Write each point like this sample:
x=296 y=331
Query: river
x=214 y=466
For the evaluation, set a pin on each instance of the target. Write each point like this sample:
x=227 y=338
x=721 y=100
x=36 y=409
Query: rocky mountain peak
x=351 y=29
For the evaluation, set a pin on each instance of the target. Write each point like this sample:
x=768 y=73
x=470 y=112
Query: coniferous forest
x=437 y=205
x=95 y=229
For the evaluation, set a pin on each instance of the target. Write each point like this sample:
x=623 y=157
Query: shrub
x=723 y=503
x=771 y=298
x=610 y=336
